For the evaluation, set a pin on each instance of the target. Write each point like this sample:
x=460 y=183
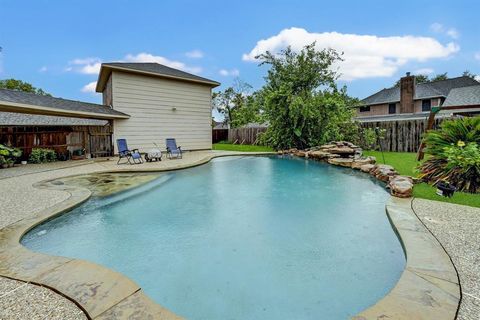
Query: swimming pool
x=242 y=238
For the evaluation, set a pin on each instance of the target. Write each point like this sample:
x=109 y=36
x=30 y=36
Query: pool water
x=242 y=238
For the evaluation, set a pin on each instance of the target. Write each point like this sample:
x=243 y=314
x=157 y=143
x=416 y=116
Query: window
x=365 y=109
x=392 y=108
x=426 y=105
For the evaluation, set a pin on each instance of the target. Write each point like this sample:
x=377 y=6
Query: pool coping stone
x=429 y=287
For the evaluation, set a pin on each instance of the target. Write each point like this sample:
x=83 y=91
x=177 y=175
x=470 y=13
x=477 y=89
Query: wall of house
x=382 y=109
x=160 y=109
x=418 y=104
x=107 y=93
x=377 y=110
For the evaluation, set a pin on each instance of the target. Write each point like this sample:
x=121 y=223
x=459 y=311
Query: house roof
x=22 y=119
x=466 y=96
x=399 y=117
x=425 y=90
x=220 y=125
x=150 y=69
x=25 y=102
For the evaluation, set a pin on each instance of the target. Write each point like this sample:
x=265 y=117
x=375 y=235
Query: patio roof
x=25 y=102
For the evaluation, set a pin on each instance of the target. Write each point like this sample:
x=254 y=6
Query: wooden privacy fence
x=219 y=135
x=401 y=136
x=96 y=140
x=245 y=135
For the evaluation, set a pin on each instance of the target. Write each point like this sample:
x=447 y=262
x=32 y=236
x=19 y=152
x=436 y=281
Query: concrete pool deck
x=428 y=288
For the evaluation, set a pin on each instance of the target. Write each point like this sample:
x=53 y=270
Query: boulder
x=344 y=162
x=357 y=163
x=342 y=151
x=401 y=186
x=367 y=167
x=383 y=172
x=300 y=153
x=318 y=155
x=327 y=146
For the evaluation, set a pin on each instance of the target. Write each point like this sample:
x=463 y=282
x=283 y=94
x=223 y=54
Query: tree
x=439 y=77
x=19 y=85
x=423 y=78
x=302 y=103
x=230 y=100
x=467 y=73
x=251 y=111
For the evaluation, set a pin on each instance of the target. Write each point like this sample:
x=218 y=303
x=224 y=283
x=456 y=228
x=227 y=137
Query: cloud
x=437 y=27
x=43 y=69
x=195 y=54
x=424 y=71
x=477 y=78
x=440 y=28
x=365 y=56
x=453 y=33
x=227 y=73
x=90 y=87
x=147 y=57
x=85 y=66
x=477 y=56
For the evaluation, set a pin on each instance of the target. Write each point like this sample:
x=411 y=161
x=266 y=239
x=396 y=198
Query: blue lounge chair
x=132 y=156
x=172 y=150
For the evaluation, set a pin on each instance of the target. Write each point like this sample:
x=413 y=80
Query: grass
x=405 y=163
x=240 y=147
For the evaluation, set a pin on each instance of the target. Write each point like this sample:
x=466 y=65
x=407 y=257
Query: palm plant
x=454 y=154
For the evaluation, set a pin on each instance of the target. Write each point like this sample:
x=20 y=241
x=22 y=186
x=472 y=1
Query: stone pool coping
x=428 y=288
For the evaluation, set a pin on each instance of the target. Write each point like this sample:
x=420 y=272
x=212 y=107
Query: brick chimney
x=407 y=93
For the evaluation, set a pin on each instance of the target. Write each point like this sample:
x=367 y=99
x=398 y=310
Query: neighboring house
x=220 y=125
x=162 y=102
x=411 y=101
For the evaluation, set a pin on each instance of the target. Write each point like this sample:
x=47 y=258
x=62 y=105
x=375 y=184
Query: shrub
x=9 y=155
x=40 y=155
x=455 y=154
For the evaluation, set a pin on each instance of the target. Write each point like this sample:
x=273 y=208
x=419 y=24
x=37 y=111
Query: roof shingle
x=422 y=91
x=151 y=68
x=22 y=119
x=466 y=96
x=62 y=105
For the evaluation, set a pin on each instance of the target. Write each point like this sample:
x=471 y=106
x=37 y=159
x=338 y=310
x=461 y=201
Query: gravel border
x=457 y=228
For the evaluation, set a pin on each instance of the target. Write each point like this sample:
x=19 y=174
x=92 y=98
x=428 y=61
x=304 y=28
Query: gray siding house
x=142 y=102
x=162 y=102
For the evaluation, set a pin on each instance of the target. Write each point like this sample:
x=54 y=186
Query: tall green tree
x=19 y=85
x=230 y=101
x=301 y=101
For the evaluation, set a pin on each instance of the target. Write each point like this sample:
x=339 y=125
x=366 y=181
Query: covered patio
x=73 y=129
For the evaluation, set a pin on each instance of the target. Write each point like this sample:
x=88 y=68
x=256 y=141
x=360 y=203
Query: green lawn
x=240 y=147
x=405 y=163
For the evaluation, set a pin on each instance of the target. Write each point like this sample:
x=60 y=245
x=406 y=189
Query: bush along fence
x=401 y=136
x=9 y=156
x=238 y=135
x=346 y=154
